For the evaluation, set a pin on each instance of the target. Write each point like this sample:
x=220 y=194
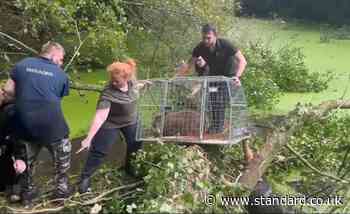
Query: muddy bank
x=45 y=165
x=115 y=156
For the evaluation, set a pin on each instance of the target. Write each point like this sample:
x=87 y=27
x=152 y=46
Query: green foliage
x=101 y=25
x=170 y=174
x=291 y=74
x=261 y=92
x=325 y=144
x=178 y=178
x=167 y=41
x=271 y=72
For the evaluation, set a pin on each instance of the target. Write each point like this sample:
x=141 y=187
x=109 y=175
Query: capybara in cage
x=182 y=123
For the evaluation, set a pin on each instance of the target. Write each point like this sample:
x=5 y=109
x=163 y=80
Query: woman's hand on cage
x=85 y=144
x=142 y=84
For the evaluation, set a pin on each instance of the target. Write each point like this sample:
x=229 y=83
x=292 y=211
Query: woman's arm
x=100 y=117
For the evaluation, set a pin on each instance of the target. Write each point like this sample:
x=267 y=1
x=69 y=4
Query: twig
x=344 y=162
x=346 y=89
x=72 y=203
x=13 y=53
x=308 y=164
x=98 y=198
x=24 y=211
x=128 y=193
x=75 y=54
x=154 y=165
x=19 y=42
x=77 y=29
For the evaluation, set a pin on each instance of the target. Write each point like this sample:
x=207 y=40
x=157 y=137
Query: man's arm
x=240 y=63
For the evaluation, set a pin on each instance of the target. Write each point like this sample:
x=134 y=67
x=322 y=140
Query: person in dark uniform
x=116 y=112
x=215 y=56
x=39 y=84
x=11 y=166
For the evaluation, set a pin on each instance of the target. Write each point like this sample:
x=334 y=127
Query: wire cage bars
x=201 y=110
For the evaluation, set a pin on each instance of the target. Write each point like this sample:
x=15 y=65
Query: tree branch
x=313 y=168
x=18 y=42
x=76 y=52
x=280 y=132
x=85 y=87
x=72 y=203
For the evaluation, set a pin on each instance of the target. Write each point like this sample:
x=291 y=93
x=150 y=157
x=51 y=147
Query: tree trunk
x=278 y=137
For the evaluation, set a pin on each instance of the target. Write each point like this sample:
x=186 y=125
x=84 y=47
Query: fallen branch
x=327 y=106
x=85 y=87
x=101 y=196
x=313 y=168
x=18 y=42
x=280 y=132
x=72 y=203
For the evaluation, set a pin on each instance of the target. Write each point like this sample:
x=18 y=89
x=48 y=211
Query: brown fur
x=183 y=123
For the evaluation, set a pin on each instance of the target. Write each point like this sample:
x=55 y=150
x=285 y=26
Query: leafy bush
x=325 y=145
x=261 y=89
x=178 y=178
x=174 y=177
x=291 y=74
x=271 y=72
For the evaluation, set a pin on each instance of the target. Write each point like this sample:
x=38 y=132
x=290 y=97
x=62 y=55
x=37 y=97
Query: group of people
x=31 y=107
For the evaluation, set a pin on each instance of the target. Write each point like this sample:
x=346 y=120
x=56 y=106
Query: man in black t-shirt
x=215 y=56
x=39 y=84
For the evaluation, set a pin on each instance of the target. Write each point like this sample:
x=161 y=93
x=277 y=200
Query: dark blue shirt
x=40 y=86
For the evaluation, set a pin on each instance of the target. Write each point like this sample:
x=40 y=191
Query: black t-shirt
x=40 y=86
x=219 y=60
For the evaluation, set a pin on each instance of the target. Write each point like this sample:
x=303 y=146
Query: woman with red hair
x=115 y=113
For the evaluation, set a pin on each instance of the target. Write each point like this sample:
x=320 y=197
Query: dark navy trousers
x=102 y=143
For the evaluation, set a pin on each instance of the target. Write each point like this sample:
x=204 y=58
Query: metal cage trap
x=200 y=110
